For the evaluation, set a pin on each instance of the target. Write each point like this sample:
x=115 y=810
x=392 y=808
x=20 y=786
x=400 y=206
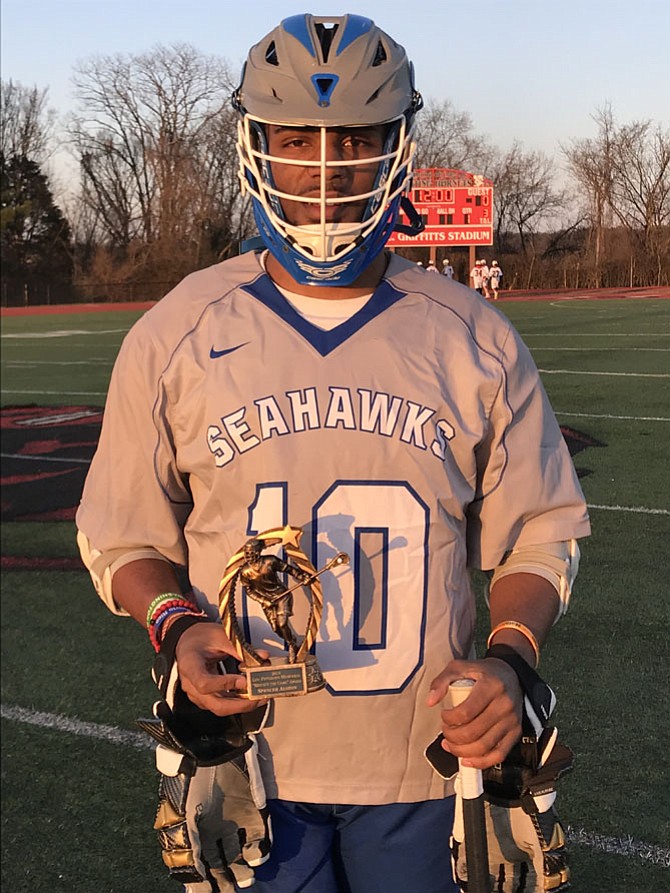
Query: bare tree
x=624 y=173
x=147 y=133
x=26 y=122
x=640 y=195
x=225 y=217
x=590 y=163
x=445 y=138
x=525 y=195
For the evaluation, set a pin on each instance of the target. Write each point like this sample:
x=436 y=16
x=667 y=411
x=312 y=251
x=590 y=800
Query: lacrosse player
x=476 y=277
x=324 y=383
x=496 y=278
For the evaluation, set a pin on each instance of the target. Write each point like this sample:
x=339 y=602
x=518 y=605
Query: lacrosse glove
x=526 y=841
x=212 y=820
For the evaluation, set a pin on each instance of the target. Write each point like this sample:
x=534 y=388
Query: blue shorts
x=327 y=848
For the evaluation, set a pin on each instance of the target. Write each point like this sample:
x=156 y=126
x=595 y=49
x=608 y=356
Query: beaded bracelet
x=155 y=630
x=163 y=616
x=169 y=603
x=163 y=597
x=520 y=628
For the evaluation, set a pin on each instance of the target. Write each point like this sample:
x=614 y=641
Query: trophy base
x=280 y=679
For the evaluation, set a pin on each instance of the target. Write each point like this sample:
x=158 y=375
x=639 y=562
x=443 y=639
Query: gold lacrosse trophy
x=258 y=575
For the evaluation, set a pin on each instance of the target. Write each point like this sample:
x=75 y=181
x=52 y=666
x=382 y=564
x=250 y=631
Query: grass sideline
x=77 y=811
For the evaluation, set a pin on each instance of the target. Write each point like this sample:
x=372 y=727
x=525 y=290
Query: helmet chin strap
x=416 y=223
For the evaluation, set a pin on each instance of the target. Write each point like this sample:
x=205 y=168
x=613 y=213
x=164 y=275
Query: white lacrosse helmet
x=326 y=72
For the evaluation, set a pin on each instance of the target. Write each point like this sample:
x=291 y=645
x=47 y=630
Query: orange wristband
x=520 y=628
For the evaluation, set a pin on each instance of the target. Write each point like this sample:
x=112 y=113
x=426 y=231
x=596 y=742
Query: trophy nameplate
x=258 y=574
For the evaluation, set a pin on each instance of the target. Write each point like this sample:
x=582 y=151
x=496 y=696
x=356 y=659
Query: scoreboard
x=456 y=207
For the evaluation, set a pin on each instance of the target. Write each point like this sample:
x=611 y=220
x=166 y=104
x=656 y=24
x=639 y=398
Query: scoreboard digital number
x=456 y=207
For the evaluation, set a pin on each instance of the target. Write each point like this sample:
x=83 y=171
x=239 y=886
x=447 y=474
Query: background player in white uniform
x=476 y=276
x=447 y=269
x=486 y=275
x=327 y=384
x=496 y=278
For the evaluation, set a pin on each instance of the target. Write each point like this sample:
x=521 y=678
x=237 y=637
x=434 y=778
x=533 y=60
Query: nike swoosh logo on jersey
x=215 y=354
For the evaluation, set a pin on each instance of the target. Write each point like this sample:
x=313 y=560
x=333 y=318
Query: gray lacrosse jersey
x=416 y=437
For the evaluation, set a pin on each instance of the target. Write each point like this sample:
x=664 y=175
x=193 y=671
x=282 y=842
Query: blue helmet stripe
x=297 y=27
x=356 y=25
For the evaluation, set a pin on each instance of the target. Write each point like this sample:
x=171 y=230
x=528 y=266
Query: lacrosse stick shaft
x=474 y=816
x=340 y=558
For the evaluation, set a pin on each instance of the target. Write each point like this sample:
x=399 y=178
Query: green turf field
x=79 y=799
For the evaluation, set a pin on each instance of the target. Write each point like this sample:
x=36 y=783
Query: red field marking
x=557 y=294
x=587 y=294
x=46 y=453
x=34 y=490
x=49 y=309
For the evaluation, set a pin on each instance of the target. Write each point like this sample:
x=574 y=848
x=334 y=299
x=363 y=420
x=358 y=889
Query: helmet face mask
x=253 y=550
x=335 y=244
x=326 y=208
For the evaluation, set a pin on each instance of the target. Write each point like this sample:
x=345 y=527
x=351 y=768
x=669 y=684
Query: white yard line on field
x=629 y=418
x=616 y=374
x=45 y=458
x=28 y=364
x=619 y=846
x=563 y=335
x=637 y=509
x=605 y=349
x=77 y=727
x=60 y=333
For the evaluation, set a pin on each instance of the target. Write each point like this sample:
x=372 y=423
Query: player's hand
x=199 y=651
x=482 y=730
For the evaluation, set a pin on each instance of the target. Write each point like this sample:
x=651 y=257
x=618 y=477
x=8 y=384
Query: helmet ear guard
x=342 y=72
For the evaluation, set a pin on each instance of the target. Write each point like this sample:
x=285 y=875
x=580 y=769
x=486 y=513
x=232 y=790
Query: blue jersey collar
x=265 y=291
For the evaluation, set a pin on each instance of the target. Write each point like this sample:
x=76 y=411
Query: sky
x=528 y=70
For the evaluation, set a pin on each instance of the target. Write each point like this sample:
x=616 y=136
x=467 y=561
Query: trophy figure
x=258 y=575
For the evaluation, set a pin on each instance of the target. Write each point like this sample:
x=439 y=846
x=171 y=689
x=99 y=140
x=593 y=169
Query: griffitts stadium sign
x=456 y=207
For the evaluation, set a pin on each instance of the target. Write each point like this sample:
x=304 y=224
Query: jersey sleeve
x=134 y=496
x=527 y=487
